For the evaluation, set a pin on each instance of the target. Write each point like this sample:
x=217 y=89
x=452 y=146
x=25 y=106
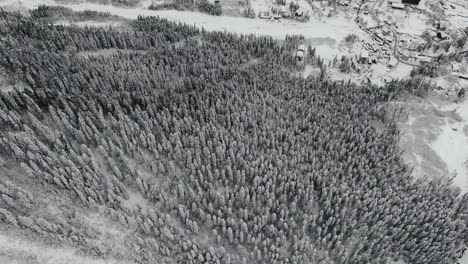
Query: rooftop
x=364 y=54
x=398 y=6
x=393 y=62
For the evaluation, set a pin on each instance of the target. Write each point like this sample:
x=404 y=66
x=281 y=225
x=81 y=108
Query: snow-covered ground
x=135 y=201
x=401 y=71
x=463 y=259
x=17 y=250
x=310 y=71
x=328 y=52
x=415 y=24
x=452 y=145
x=435 y=136
x=380 y=72
x=458 y=17
x=422 y=125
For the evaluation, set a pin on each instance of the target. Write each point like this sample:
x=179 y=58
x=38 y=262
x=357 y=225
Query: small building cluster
x=446 y=6
x=440 y=28
x=409 y=50
x=281 y=11
x=381 y=48
x=392 y=63
x=411 y=2
x=403 y=4
x=396 y=5
x=345 y=2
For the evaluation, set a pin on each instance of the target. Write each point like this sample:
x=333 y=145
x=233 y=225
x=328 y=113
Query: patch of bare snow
x=6 y=86
x=105 y=227
x=396 y=262
x=309 y=70
x=401 y=71
x=382 y=74
x=463 y=259
x=327 y=51
x=136 y=200
x=420 y=126
x=415 y=24
x=336 y=75
x=97 y=23
x=452 y=146
x=18 y=250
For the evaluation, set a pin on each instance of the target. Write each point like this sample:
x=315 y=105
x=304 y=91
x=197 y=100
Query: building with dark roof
x=411 y=2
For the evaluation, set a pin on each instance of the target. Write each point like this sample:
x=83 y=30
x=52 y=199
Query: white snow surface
x=415 y=24
x=463 y=259
x=458 y=17
x=136 y=200
x=452 y=146
x=14 y=248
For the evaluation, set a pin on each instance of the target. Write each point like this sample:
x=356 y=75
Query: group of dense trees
x=53 y=13
x=439 y=65
x=240 y=161
x=204 y=6
x=129 y=3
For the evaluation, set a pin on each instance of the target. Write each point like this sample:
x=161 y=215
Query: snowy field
x=380 y=72
x=435 y=142
x=421 y=126
x=452 y=144
x=415 y=24
x=435 y=138
x=14 y=250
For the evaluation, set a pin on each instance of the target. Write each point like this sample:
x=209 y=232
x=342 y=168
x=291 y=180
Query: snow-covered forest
x=164 y=143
